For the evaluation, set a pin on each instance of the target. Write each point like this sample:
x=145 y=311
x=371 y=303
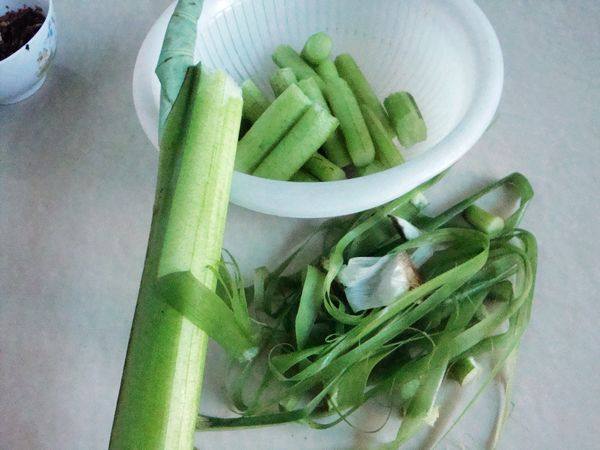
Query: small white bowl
x=445 y=52
x=24 y=72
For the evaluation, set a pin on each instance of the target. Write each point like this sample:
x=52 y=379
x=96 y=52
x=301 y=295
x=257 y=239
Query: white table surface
x=76 y=191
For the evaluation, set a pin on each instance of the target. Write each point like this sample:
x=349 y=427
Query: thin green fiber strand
x=177 y=54
x=515 y=180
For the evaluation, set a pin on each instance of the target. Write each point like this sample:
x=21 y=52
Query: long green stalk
x=160 y=389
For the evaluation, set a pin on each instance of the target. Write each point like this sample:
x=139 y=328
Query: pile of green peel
x=326 y=123
x=397 y=303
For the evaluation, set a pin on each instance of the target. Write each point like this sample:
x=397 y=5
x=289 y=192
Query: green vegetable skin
x=286 y=56
x=334 y=148
x=385 y=150
x=350 y=71
x=255 y=101
x=282 y=79
x=406 y=118
x=297 y=147
x=270 y=128
x=317 y=48
x=160 y=389
x=346 y=109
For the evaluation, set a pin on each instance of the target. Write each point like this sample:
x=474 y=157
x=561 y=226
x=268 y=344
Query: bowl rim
x=46 y=19
x=400 y=179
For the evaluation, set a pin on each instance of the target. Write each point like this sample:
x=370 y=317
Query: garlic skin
x=373 y=282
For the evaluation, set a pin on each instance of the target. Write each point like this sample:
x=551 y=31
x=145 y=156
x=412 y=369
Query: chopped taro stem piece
x=304 y=177
x=327 y=70
x=335 y=147
x=345 y=107
x=297 y=147
x=351 y=72
x=386 y=151
x=317 y=48
x=323 y=169
x=286 y=56
x=464 y=370
x=374 y=167
x=282 y=79
x=483 y=220
x=406 y=118
x=255 y=101
x=270 y=128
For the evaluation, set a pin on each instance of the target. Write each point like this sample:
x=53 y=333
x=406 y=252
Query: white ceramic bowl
x=24 y=72
x=445 y=52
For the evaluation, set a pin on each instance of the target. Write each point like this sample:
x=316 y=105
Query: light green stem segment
x=282 y=79
x=406 y=118
x=372 y=168
x=464 y=370
x=297 y=147
x=351 y=72
x=303 y=176
x=335 y=147
x=317 y=48
x=270 y=128
x=327 y=70
x=255 y=101
x=286 y=56
x=177 y=54
x=323 y=169
x=483 y=220
x=385 y=150
x=160 y=390
x=345 y=107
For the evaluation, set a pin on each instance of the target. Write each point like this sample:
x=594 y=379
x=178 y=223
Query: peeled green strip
x=296 y=148
x=317 y=48
x=286 y=56
x=334 y=147
x=310 y=303
x=483 y=220
x=282 y=79
x=323 y=169
x=346 y=109
x=255 y=101
x=385 y=150
x=350 y=71
x=372 y=168
x=176 y=55
x=160 y=389
x=270 y=128
x=304 y=177
x=327 y=70
x=406 y=118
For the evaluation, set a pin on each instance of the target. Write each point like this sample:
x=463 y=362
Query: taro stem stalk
x=160 y=389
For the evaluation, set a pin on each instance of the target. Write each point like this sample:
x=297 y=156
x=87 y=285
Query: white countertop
x=76 y=191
